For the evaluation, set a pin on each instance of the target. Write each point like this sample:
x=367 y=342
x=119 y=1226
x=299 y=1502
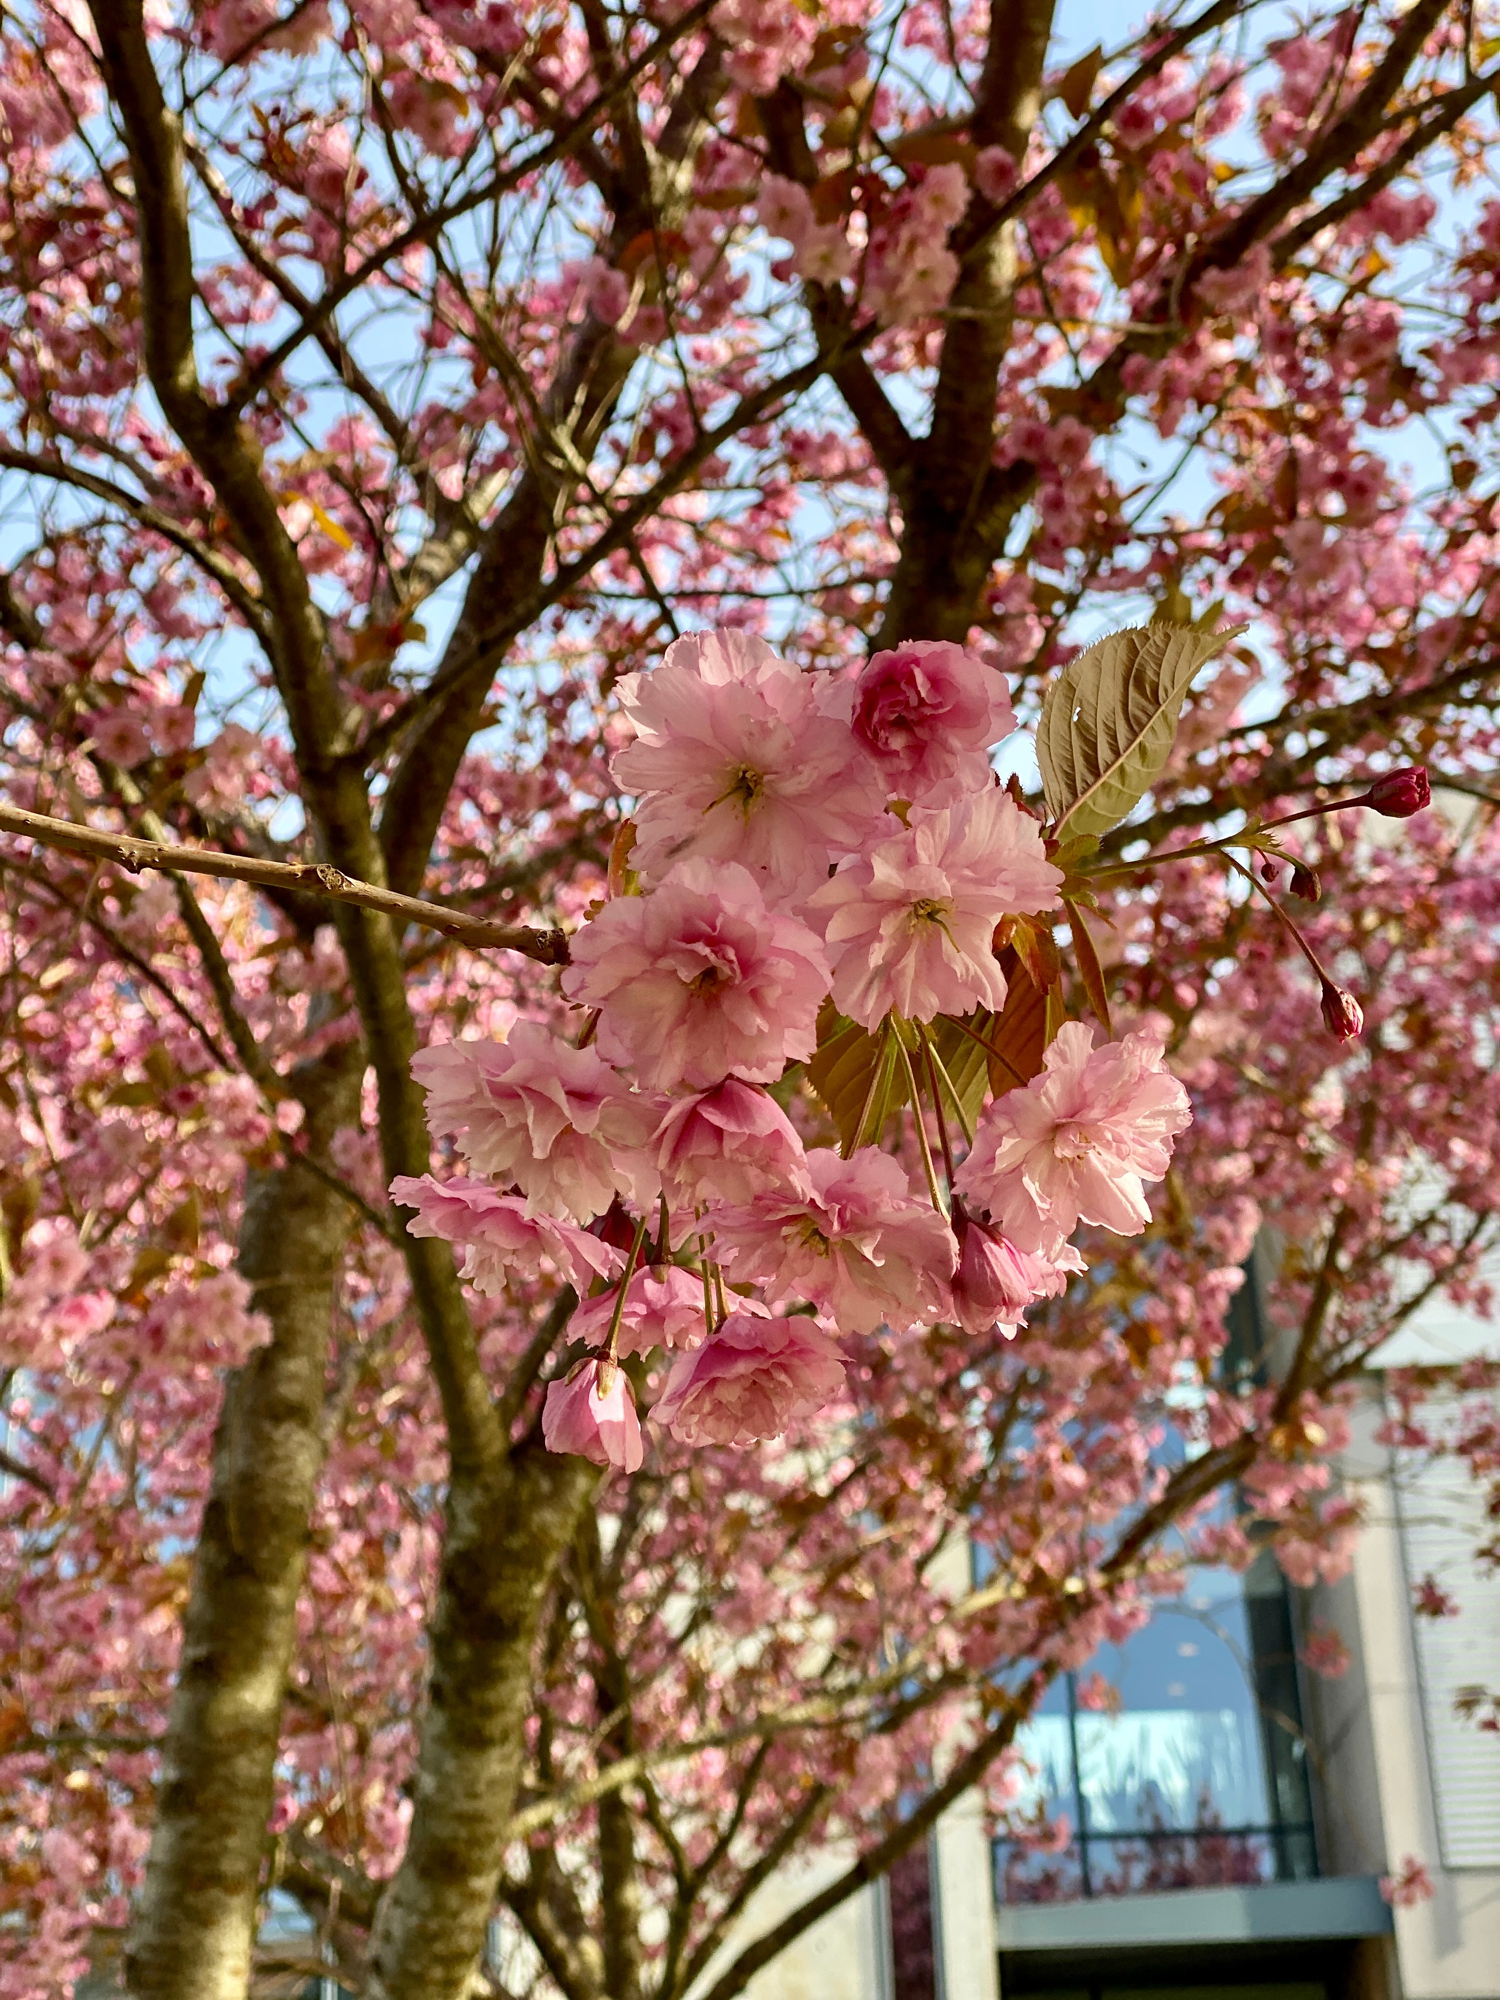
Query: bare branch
x=310 y=878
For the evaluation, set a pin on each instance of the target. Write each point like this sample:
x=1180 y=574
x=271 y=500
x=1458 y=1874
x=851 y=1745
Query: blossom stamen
x=745 y=787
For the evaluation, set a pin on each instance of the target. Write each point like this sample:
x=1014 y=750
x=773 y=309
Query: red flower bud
x=615 y=1226
x=1304 y=883
x=1399 y=794
x=1342 y=1014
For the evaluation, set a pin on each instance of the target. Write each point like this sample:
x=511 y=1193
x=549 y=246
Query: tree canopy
x=428 y=434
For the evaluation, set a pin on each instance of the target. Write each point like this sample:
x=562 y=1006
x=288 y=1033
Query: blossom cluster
x=808 y=847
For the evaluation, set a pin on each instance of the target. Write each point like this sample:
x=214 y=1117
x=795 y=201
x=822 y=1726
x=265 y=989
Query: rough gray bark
x=505 y=1535
x=196 y=1924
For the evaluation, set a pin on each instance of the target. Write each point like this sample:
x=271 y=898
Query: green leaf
x=1109 y=721
x=963 y=1058
x=860 y=1078
x=1069 y=853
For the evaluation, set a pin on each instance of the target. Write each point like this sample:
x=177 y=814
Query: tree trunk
x=195 y=1927
x=952 y=530
x=504 y=1540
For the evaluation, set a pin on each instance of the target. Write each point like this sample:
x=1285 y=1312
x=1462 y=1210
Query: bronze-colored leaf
x=1056 y=1013
x=935 y=149
x=1036 y=948
x=1088 y=965
x=1018 y=1036
x=1077 y=86
x=622 y=877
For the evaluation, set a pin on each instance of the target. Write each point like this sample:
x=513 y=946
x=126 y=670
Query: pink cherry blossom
x=1409 y=1886
x=859 y=1243
x=1324 y=1653
x=121 y=736
x=225 y=776
x=825 y=255
x=1236 y=288
x=749 y=1380
x=995 y=173
x=943 y=196
x=208 y=1322
x=909 y=924
x=615 y=492
x=602 y=289
x=1076 y=1143
x=499 y=1238
x=928 y=712
x=910 y=277
x=733 y=760
x=766 y=40
x=591 y=1413
x=910 y=271
x=173 y=726
x=699 y=978
x=662 y=1309
x=785 y=208
x=729 y=1144
x=47 y=1313
x=555 y=1120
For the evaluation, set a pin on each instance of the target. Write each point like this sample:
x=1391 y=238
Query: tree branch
x=488 y=192
x=310 y=878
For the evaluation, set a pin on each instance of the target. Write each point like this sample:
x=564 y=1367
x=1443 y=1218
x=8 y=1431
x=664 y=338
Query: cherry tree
x=567 y=1137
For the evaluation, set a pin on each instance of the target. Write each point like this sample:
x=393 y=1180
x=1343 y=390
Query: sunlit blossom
x=910 y=923
x=1076 y=1144
x=857 y=1243
x=749 y=1380
x=698 y=978
x=734 y=761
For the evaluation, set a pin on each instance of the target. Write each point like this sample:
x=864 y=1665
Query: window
x=1197 y=1776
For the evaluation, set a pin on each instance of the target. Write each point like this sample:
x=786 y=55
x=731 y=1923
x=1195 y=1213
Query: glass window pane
x=1045 y=1780
x=1185 y=1748
x=1025 y=1875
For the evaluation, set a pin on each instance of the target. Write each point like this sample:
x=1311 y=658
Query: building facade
x=1225 y=1822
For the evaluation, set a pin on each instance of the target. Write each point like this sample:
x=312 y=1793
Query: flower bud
x=591 y=1413
x=1399 y=794
x=1304 y=883
x=994 y=1281
x=615 y=1227
x=1342 y=1014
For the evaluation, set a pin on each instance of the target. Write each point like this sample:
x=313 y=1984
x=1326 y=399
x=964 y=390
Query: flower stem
x=938 y=1069
x=921 y=1124
x=988 y=1046
x=704 y=1268
x=629 y=1273
x=1247 y=836
x=1290 y=922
